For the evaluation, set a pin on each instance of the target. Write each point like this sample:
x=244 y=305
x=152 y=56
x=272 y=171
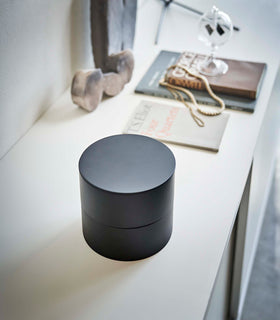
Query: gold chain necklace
x=175 y=91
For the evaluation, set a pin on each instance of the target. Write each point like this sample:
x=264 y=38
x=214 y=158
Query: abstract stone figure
x=112 y=33
x=88 y=86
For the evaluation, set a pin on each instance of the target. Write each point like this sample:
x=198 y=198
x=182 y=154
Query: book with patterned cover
x=242 y=79
x=174 y=124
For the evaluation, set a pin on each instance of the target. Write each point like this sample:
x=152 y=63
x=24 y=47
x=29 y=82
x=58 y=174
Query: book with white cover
x=169 y=123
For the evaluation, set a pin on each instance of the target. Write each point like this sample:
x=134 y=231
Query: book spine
x=160 y=94
x=235 y=92
x=228 y=106
x=186 y=83
x=209 y=103
x=198 y=85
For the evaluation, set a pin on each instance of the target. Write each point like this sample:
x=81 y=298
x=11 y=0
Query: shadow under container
x=127 y=191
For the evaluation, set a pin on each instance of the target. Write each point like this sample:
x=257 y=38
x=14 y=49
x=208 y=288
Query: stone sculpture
x=112 y=34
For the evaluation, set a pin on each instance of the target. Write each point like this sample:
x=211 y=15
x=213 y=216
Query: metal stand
x=166 y=4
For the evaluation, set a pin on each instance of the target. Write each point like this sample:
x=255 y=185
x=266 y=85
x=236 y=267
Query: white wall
x=42 y=44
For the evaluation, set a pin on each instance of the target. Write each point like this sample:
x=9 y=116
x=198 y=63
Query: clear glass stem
x=212 y=53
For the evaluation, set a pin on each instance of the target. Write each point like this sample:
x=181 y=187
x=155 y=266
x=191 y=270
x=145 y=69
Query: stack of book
x=239 y=87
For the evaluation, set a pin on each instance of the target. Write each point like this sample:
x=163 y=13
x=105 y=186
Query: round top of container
x=127 y=163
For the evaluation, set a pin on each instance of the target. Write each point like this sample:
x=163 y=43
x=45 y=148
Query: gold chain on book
x=175 y=90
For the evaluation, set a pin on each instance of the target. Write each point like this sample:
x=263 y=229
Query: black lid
x=127 y=163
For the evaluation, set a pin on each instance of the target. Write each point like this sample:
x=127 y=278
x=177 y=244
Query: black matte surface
x=127 y=191
x=127 y=163
x=127 y=244
x=127 y=210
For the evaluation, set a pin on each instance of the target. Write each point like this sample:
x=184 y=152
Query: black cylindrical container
x=127 y=190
